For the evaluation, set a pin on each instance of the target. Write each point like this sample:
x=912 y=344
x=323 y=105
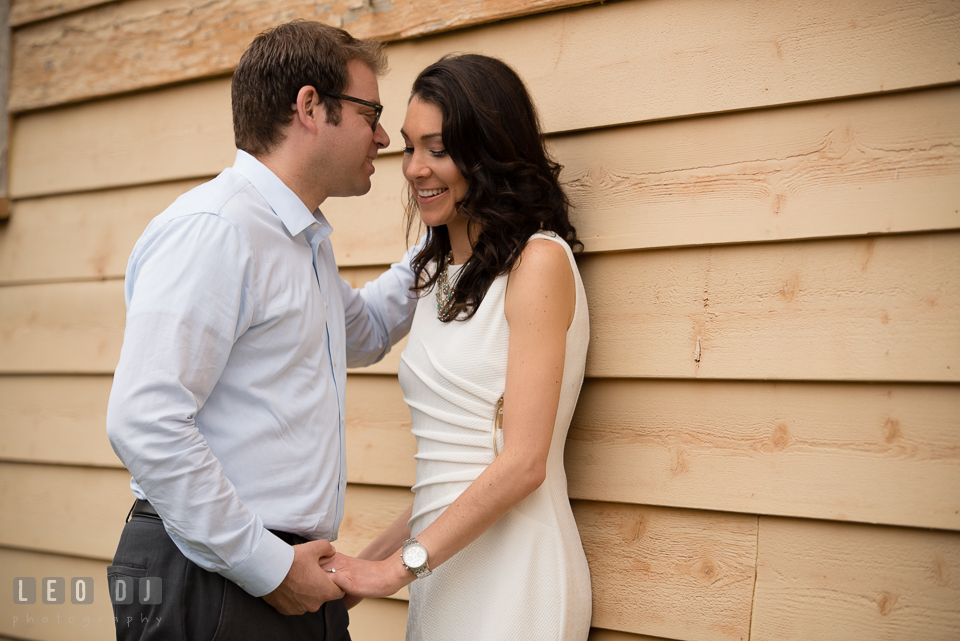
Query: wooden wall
x=767 y=445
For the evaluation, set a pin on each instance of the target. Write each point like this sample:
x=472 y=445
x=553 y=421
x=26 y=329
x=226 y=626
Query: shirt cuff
x=265 y=569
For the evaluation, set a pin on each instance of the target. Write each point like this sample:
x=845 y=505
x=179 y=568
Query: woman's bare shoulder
x=542 y=280
x=542 y=257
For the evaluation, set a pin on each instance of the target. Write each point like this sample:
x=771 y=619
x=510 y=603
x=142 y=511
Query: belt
x=143 y=508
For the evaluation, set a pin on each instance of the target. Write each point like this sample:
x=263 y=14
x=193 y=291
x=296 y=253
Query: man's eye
x=408 y=150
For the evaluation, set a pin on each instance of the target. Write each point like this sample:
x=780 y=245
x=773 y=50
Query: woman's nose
x=416 y=168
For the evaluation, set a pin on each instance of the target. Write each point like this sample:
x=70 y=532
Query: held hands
x=361 y=578
x=306 y=586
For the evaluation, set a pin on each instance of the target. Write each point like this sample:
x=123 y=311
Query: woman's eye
x=408 y=150
x=439 y=154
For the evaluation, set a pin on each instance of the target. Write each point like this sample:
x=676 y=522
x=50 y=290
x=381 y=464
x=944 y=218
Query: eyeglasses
x=377 y=108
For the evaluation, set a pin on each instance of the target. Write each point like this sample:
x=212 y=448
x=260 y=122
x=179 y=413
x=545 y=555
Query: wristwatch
x=414 y=558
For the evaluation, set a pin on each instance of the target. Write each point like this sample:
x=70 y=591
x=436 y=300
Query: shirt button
x=314 y=226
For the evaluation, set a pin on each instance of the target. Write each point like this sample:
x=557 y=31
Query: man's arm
x=379 y=314
x=187 y=302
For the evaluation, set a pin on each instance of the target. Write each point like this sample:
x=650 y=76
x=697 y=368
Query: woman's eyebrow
x=424 y=137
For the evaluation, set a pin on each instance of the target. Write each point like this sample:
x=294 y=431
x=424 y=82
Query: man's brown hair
x=278 y=63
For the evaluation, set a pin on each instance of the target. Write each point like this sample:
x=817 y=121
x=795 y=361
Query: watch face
x=414 y=556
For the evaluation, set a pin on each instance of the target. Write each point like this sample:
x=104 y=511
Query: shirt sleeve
x=188 y=299
x=379 y=314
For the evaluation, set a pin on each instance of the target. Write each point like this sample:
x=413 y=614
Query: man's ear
x=311 y=110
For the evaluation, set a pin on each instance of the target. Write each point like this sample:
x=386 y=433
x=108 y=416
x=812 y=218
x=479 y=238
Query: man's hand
x=306 y=586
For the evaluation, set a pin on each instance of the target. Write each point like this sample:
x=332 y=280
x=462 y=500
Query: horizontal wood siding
x=143 y=43
x=56 y=419
x=766 y=445
x=25 y=11
x=834 y=581
x=852 y=167
x=879 y=309
x=871 y=453
x=649 y=565
x=79 y=236
x=672 y=56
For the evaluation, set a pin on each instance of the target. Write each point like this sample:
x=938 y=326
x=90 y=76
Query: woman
x=501 y=323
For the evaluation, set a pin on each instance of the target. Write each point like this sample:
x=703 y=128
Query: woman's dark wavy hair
x=491 y=130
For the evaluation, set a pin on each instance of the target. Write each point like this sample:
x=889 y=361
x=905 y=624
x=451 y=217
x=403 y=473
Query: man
x=228 y=401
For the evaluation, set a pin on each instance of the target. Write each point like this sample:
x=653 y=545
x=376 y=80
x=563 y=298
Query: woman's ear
x=310 y=108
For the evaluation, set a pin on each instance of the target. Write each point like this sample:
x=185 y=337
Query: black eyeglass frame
x=378 y=108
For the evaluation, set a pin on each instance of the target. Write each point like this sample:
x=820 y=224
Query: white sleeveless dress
x=526 y=577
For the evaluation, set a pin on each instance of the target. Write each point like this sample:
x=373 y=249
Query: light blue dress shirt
x=227 y=404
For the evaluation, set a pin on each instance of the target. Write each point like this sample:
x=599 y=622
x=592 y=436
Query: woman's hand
x=362 y=578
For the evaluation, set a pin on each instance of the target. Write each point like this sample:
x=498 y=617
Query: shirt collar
x=286 y=205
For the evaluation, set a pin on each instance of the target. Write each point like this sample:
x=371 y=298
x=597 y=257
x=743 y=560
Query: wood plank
x=56 y=419
x=842 y=452
x=599 y=634
x=378 y=620
x=144 y=43
x=866 y=166
x=60 y=419
x=95 y=232
x=882 y=309
x=871 y=453
x=96 y=501
x=673 y=57
x=93 y=501
x=61 y=328
x=650 y=565
x=71 y=328
x=26 y=11
x=190 y=136
x=380 y=446
x=64 y=622
x=831 y=581
x=879 y=309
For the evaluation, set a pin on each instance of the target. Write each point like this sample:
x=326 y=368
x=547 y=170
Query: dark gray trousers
x=197 y=605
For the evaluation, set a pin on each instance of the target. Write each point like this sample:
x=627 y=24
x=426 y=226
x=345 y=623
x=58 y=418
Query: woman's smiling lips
x=427 y=195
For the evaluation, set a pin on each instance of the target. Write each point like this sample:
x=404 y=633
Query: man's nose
x=380 y=137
